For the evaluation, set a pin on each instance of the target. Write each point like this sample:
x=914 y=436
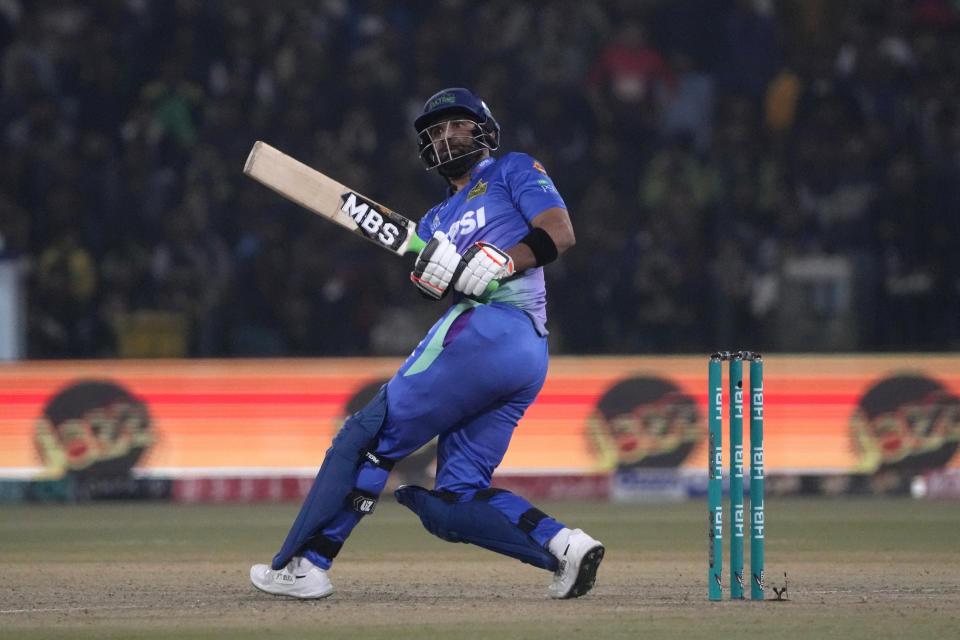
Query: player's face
x=453 y=128
x=456 y=136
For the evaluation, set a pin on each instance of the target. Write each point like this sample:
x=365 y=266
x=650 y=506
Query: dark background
x=740 y=173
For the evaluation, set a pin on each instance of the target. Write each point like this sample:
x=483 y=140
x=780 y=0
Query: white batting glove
x=435 y=266
x=482 y=263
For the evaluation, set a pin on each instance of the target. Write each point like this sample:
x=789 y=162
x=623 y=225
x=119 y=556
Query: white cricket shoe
x=300 y=578
x=577 y=569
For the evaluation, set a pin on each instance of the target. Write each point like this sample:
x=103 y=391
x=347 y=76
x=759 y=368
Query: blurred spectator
x=190 y=271
x=625 y=82
x=674 y=171
x=909 y=304
x=63 y=319
x=752 y=52
x=662 y=276
x=739 y=172
x=14 y=229
x=171 y=101
x=688 y=108
x=255 y=304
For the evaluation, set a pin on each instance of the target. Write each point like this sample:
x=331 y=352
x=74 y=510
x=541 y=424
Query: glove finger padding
x=435 y=266
x=482 y=263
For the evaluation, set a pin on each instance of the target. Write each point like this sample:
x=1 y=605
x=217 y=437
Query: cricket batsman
x=470 y=379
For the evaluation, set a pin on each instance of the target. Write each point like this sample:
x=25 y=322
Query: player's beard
x=461 y=164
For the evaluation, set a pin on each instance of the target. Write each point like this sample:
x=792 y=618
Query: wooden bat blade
x=326 y=197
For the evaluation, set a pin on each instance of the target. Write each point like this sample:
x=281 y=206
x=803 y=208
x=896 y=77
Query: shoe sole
x=292 y=595
x=266 y=589
x=587 y=575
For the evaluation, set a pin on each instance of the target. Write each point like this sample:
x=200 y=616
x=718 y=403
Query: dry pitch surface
x=856 y=568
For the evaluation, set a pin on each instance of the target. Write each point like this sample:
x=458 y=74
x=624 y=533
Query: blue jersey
x=467 y=383
x=503 y=196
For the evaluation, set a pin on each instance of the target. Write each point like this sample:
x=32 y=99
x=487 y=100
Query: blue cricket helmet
x=458 y=100
x=451 y=102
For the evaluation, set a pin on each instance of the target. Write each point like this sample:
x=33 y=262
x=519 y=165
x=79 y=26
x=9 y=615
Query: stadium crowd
x=740 y=173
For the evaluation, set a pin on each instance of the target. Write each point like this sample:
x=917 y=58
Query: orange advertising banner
x=823 y=414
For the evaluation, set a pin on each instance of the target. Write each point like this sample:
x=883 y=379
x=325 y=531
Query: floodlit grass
x=863 y=568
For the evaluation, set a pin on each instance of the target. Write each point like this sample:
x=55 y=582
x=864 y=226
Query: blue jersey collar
x=479 y=168
x=483 y=164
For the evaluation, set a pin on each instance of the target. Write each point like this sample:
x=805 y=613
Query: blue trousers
x=469 y=381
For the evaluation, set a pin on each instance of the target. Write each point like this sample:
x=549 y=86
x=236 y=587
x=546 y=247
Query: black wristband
x=542 y=245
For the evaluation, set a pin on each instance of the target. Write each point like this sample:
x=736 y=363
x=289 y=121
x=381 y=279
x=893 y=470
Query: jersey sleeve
x=532 y=189
x=423 y=225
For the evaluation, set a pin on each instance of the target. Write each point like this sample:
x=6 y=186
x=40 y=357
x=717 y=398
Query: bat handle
x=417 y=244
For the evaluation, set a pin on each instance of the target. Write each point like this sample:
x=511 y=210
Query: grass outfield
x=865 y=568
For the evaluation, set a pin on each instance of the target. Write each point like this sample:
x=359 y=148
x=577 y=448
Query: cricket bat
x=326 y=197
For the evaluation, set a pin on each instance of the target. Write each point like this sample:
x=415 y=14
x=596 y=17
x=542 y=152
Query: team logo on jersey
x=546 y=185
x=539 y=167
x=478 y=190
